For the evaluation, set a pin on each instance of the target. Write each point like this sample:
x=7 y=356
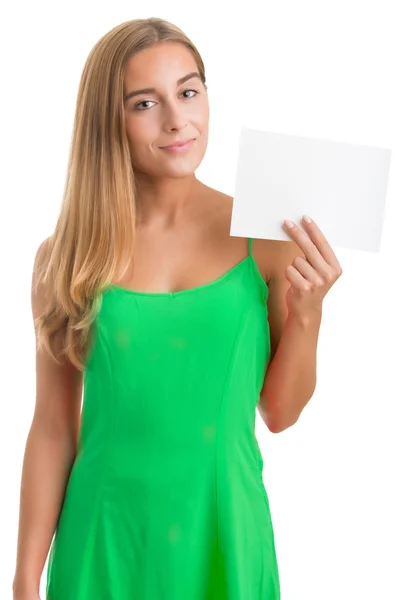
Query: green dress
x=166 y=500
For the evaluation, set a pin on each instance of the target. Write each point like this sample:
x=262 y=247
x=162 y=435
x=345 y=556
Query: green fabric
x=166 y=499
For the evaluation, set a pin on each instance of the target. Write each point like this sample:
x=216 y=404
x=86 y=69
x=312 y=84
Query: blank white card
x=341 y=186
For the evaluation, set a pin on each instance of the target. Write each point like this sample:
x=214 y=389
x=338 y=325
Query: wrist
x=305 y=320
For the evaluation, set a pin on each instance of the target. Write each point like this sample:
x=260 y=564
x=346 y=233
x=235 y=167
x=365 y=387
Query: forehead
x=169 y=60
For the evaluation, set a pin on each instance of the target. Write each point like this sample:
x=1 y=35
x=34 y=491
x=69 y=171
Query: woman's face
x=173 y=112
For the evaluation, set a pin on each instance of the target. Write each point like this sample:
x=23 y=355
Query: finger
x=307 y=271
x=321 y=243
x=296 y=279
x=309 y=248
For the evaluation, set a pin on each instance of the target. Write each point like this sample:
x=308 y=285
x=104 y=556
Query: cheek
x=140 y=131
x=202 y=119
x=202 y=123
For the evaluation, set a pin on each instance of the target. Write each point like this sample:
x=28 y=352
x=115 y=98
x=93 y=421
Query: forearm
x=46 y=468
x=291 y=376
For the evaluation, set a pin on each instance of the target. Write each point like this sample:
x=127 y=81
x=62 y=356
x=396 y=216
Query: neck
x=165 y=201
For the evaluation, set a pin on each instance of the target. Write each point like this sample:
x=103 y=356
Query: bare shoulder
x=220 y=203
x=279 y=255
x=271 y=256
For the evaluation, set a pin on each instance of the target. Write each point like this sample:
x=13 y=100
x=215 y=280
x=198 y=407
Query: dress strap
x=250 y=244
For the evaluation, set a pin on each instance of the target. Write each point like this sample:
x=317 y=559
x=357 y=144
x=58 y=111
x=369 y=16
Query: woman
x=171 y=323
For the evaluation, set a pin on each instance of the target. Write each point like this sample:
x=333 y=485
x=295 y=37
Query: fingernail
x=289 y=224
x=307 y=219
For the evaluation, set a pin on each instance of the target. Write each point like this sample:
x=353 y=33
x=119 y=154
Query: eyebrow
x=153 y=90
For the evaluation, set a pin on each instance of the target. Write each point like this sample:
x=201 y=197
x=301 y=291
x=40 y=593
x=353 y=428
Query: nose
x=175 y=117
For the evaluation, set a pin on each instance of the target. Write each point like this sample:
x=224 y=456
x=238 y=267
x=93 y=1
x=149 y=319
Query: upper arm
x=280 y=258
x=58 y=387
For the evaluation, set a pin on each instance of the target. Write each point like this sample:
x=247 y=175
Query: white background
x=311 y=68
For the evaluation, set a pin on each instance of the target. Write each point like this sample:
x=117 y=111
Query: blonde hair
x=95 y=231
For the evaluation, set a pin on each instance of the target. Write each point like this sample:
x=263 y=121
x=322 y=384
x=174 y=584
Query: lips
x=177 y=144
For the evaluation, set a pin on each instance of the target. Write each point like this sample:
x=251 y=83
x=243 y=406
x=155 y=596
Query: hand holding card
x=312 y=277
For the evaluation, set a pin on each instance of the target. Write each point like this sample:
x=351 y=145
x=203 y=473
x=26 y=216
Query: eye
x=138 y=104
x=191 y=90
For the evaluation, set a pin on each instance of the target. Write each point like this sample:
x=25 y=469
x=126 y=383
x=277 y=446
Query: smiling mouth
x=177 y=144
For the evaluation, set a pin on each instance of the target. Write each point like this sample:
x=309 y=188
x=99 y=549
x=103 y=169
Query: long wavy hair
x=95 y=231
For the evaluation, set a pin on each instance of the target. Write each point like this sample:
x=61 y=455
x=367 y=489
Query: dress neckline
x=120 y=289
